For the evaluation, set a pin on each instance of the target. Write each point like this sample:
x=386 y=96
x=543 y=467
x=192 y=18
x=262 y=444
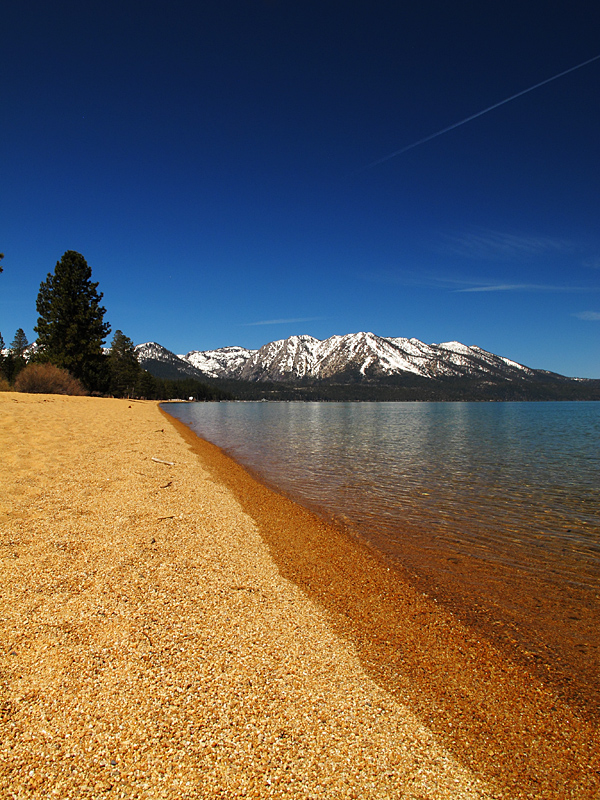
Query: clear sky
x=219 y=165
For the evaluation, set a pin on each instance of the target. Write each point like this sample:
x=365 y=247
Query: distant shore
x=172 y=628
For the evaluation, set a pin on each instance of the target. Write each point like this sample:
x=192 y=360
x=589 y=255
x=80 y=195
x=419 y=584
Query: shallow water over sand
x=494 y=507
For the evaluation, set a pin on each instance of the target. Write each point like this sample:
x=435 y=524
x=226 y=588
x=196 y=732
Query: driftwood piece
x=160 y=461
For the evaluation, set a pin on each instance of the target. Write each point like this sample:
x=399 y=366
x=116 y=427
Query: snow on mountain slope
x=154 y=350
x=462 y=355
x=221 y=363
x=163 y=363
x=294 y=357
x=347 y=357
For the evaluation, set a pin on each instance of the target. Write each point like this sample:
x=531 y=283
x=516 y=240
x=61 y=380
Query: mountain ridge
x=368 y=356
x=302 y=357
x=364 y=366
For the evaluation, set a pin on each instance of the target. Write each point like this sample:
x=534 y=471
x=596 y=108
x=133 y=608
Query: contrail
x=479 y=114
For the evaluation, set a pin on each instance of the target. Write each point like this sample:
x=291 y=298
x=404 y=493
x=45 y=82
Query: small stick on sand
x=160 y=461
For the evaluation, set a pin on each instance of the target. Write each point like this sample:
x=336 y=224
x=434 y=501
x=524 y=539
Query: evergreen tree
x=15 y=360
x=19 y=344
x=123 y=366
x=71 y=328
x=146 y=387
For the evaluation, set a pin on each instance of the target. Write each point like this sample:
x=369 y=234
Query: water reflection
x=506 y=475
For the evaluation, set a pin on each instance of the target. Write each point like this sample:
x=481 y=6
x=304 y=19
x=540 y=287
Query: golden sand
x=177 y=630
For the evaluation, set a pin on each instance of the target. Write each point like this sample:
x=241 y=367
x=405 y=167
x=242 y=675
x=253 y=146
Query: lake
x=494 y=508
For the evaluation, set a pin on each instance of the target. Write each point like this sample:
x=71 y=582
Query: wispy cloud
x=590 y=316
x=524 y=287
x=476 y=284
x=498 y=245
x=592 y=263
x=282 y=321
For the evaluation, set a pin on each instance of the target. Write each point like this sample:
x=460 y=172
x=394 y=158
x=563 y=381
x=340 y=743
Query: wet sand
x=179 y=630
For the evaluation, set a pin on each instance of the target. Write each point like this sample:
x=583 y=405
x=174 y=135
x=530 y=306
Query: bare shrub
x=47 y=379
x=4 y=385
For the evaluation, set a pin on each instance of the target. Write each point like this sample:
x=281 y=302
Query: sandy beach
x=170 y=628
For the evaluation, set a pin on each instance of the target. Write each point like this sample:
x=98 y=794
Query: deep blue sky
x=210 y=161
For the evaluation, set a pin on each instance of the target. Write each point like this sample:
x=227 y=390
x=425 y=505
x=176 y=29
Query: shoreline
x=172 y=628
x=500 y=716
x=545 y=625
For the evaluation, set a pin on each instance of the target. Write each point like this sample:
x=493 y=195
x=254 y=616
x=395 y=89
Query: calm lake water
x=495 y=506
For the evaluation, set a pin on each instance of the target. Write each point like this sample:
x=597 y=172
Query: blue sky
x=215 y=163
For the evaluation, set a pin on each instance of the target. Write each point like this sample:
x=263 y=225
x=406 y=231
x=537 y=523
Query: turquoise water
x=497 y=503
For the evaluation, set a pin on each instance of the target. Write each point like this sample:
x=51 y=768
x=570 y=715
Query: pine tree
x=147 y=386
x=15 y=360
x=70 y=327
x=123 y=365
x=19 y=344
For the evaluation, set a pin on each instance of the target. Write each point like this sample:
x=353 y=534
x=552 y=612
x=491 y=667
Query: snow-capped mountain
x=352 y=357
x=164 y=364
x=218 y=363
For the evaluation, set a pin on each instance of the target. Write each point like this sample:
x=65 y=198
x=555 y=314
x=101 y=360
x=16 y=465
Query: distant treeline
x=415 y=388
x=151 y=388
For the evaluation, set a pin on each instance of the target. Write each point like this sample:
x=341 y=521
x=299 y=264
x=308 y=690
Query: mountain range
x=367 y=362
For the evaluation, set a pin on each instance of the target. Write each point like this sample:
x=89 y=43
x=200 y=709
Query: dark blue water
x=499 y=502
